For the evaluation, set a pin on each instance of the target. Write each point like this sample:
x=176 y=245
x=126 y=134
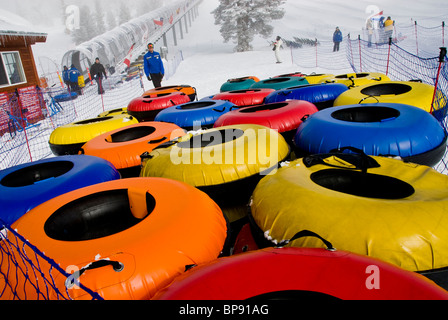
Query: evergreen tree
x=241 y=20
x=99 y=19
x=125 y=14
x=111 y=20
x=87 y=26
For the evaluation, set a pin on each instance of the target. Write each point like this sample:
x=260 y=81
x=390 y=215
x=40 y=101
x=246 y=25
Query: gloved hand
x=149 y=78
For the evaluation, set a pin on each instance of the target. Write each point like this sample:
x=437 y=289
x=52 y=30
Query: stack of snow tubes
x=173 y=197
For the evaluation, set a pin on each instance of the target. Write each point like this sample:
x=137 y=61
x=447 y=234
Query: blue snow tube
x=321 y=95
x=25 y=186
x=379 y=129
x=202 y=113
x=279 y=83
x=65 y=97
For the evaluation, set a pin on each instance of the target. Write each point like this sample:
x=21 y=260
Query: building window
x=11 y=69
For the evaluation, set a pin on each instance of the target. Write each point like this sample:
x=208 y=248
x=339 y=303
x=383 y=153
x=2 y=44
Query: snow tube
x=146 y=107
x=279 y=83
x=243 y=98
x=123 y=147
x=68 y=139
x=293 y=74
x=113 y=112
x=225 y=162
x=387 y=129
x=315 y=78
x=352 y=80
x=238 y=83
x=407 y=92
x=192 y=115
x=65 y=97
x=321 y=95
x=188 y=90
x=25 y=186
x=300 y=274
x=376 y=206
x=285 y=117
x=127 y=238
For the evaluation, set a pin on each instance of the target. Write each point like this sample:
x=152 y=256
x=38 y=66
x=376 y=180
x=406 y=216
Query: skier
x=337 y=39
x=277 y=44
x=388 y=28
x=369 y=27
x=153 y=66
x=97 y=71
x=74 y=74
x=66 y=77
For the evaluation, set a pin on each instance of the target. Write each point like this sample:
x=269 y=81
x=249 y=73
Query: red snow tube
x=245 y=97
x=146 y=107
x=282 y=116
x=298 y=273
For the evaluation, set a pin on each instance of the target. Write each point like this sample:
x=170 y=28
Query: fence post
x=360 y=51
x=416 y=37
x=443 y=33
x=442 y=55
x=23 y=123
x=388 y=57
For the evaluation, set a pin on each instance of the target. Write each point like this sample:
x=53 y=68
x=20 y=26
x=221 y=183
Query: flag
x=127 y=60
x=158 y=22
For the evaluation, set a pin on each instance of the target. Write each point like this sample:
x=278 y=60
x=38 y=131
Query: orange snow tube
x=188 y=90
x=125 y=240
x=123 y=147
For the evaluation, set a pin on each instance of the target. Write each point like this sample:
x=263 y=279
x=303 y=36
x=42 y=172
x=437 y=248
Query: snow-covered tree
x=99 y=19
x=111 y=20
x=241 y=20
x=87 y=26
x=125 y=13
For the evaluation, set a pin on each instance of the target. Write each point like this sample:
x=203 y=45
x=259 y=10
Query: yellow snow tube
x=68 y=139
x=220 y=161
x=317 y=78
x=352 y=80
x=406 y=92
x=114 y=112
x=395 y=211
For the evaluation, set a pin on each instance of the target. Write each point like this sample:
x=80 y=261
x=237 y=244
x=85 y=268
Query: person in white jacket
x=277 y=44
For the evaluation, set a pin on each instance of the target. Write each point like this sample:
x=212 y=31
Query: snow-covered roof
x=14 y=25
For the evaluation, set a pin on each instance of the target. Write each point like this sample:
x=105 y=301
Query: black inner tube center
x=362 y=184
x=366 y=114
x=386 y=89
x=94 y=216
x=212 y=138
x=265 y=107
x=132 y=134
x=196 y=105
x=36 y=173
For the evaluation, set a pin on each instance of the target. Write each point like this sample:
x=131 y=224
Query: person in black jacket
x=97 y=71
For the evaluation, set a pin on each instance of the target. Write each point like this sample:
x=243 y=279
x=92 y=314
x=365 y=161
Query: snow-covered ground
x=208 y=62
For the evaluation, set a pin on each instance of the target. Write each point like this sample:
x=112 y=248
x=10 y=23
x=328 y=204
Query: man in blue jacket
x=74 y=74
x=153 y=65
x=337 y=39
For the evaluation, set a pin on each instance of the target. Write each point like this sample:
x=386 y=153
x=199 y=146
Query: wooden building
x=17 y=65
x=20 y=100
